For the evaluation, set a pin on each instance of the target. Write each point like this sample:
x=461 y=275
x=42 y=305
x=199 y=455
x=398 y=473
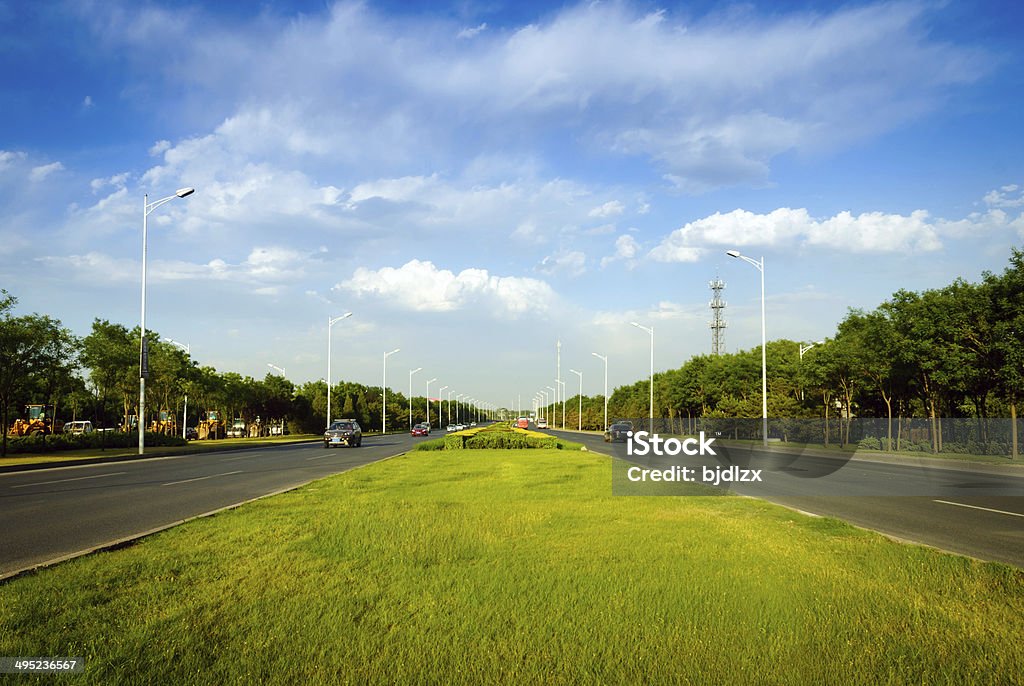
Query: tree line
x=96 y=377
x=934 y=366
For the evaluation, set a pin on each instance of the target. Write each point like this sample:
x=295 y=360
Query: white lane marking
x=318 y=457
x=978 y=507
x=199 y=478
x=77 y=478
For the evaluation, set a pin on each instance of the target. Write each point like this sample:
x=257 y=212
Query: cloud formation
x=419 y=285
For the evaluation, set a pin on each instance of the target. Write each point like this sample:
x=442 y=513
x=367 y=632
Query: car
x=420 y=430
x=523 y=423
x=451 y=427
x=542 y=423
x=619 y=431
x=343 y=432
x=78 y=427
x=460 y=427
x=191 y=434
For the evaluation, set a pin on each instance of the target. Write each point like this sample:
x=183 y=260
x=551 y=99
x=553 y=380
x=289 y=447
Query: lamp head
x=732 y=253
x=182 y=192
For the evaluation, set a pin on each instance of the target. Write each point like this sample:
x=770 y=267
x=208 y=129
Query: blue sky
x=480 y=179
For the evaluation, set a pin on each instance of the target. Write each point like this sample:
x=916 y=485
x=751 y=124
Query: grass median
x=517 y=566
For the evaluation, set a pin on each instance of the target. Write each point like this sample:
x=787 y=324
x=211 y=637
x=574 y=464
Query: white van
x=78 y=427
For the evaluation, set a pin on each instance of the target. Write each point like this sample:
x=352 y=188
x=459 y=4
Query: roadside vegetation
x=517 y=567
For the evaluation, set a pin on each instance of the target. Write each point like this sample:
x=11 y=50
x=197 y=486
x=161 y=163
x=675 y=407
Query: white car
x=542 y=423
x=78 y=427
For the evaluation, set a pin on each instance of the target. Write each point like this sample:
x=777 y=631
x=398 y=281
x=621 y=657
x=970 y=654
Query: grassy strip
x=506 y=566
x=192 y=448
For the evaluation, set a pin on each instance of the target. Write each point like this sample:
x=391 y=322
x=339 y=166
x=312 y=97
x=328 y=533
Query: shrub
x=869 y=443
x=95 y=440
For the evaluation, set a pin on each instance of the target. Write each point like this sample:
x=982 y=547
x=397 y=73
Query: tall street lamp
x=411 y=372
x=331 y=321
x=605 y=360
x=428 y=403
x=561 y=388
x=580 y=416
x=458 y=408
x=184 y=414
x=803 y=349
x=148 y=207
x=759 y=265
x=651 y=332
x=449 y=407
x=554 y=406
x=384 y=394
x=279 y=370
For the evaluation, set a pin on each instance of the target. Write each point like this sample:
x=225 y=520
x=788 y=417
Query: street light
x=440 y=398
x=384 y=394
x=605 y=359
x=449 y=406
x=803 y=349
x=184 y=414
x=580 y=416
x=279 y=370
x=148 y=207
x=411 y=372
x=651 y=332
x=561 y=388
x=554 y=406
x=331 y=321
x=458 y=409
x=759 y=265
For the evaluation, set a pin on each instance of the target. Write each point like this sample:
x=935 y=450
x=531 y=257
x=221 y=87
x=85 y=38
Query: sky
x=477 y=181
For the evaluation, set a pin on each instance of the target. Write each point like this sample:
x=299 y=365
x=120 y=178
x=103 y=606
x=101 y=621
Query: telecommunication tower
x=717 y=319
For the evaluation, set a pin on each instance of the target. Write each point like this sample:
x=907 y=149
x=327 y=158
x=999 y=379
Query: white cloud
x=570 y=263
x=265 y=269
x=867 y=232
x=1003 y=197
x=9 y=157
x=626 y=248
x=117 y=181
x=419 y=285
x=709 y=102
x=41 y=172
x=470 y=32
x=609 y=209
x=159 y=148
x=87 y=102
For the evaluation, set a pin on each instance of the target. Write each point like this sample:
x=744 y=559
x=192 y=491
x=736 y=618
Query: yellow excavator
x=165 y=425
x=211 y=426
x=38 y=421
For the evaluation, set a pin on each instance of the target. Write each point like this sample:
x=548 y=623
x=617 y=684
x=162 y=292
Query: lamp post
x=384 y=394
x=449 y=405
x=458 y=408
x=187 y=347
x=279 y=370
x=558 y=384
x=411 y=372
x=439 y=392
x=561 y=389
x=331 y=321
x=803 y=349
x=605 y=360
x=759 y=265
x=580 y=416
x=148 y=207
x=649 y=330
x=554 y=406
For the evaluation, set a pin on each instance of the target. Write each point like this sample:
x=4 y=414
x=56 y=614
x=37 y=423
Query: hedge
x=96 y=439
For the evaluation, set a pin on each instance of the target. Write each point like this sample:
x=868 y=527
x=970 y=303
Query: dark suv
x=619 y=431
x=343 y=432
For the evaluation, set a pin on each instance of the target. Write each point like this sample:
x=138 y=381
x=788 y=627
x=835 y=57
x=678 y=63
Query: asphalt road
x=51 y=514
x=973 y=510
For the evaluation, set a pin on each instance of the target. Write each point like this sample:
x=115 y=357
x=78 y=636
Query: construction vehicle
x=165 y=425
x=211 y=426
x=38 y=421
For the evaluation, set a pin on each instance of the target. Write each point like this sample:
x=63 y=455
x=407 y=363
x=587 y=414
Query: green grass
x=518 y=567
x=192 y=448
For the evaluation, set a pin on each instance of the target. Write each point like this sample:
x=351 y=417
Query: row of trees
x=949 y=353
x=96 y=377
